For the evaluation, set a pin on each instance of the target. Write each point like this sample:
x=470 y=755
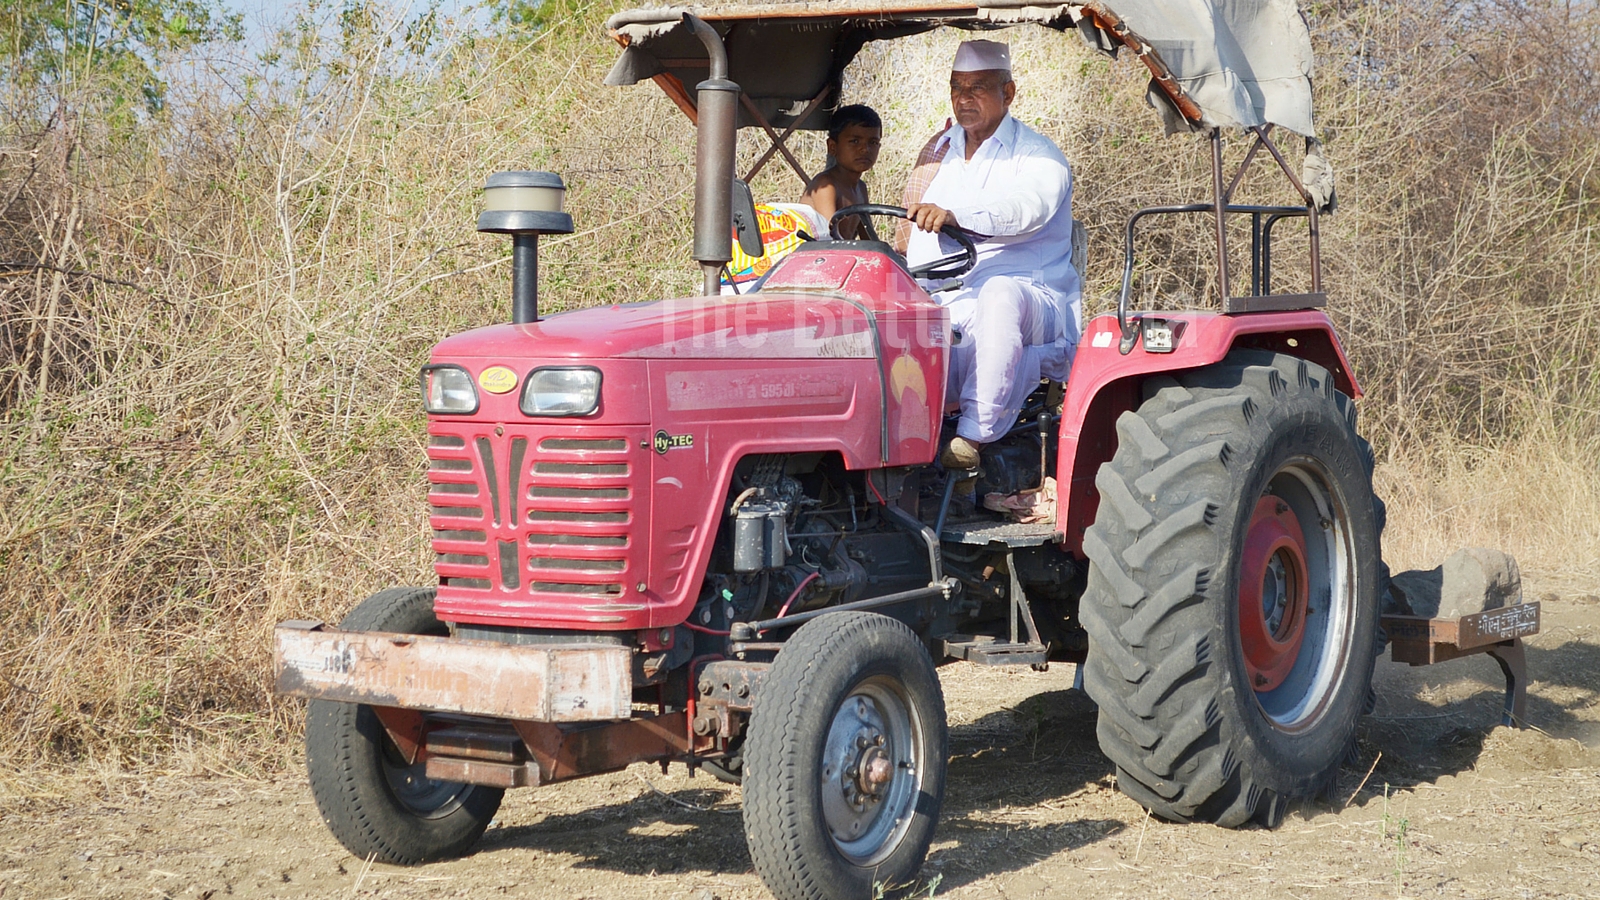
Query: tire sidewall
x=345 y=743
x=838 y=682
x=1179 y=715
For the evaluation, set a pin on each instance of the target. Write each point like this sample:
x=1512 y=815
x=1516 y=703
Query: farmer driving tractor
x=1019 y=309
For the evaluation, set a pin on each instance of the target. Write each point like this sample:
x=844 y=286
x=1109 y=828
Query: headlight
x=448 y=389
x=561 y=391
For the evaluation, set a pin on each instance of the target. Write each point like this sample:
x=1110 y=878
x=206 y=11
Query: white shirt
x=1017 y=190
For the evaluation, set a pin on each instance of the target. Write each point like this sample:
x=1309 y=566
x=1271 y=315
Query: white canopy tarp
x=1240 y=63
x=1244 y=62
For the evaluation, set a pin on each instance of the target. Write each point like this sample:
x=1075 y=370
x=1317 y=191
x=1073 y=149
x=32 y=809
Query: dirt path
x=1031 y=812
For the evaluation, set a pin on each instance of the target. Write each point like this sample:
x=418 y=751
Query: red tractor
x=711 y=530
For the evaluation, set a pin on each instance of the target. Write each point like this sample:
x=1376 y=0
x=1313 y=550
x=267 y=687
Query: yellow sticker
x=497 y=379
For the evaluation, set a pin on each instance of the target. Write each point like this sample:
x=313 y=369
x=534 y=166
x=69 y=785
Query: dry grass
x=207 y=410
x=1537 y=499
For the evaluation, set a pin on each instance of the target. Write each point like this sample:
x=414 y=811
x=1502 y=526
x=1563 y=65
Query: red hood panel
x=761 y=326
x=825 y=313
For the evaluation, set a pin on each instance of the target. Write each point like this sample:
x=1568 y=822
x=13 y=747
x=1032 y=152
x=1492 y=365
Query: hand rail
x=1262 y=235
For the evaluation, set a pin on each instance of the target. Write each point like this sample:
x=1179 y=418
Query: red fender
x=1104 y=384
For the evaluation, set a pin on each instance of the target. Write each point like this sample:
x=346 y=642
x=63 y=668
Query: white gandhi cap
x=982 y=56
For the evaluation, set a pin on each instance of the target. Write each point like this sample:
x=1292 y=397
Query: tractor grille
x=579 y=497
x=525 y=513
x=453 y=497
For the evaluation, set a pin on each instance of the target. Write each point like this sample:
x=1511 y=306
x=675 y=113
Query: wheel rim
x=424 y=797
x=1297 y=596
x=872 y=770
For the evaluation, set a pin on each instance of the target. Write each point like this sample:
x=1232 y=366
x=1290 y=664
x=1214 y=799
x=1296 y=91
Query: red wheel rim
x=1274 y=594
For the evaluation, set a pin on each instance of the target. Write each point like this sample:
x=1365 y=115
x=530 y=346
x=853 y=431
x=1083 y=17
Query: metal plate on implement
x=558 y=683
x=1492 y=626
x=1420 y=641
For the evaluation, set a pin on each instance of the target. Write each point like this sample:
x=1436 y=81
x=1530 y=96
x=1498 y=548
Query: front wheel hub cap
x=875 y=771
x=870 y=778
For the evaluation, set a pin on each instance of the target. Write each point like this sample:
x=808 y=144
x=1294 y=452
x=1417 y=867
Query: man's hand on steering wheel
x=930 y=217
x=944 y=267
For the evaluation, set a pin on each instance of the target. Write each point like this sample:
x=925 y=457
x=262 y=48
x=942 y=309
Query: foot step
x=988 y=651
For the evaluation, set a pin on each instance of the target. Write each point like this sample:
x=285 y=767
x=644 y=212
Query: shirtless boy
x=853 y=139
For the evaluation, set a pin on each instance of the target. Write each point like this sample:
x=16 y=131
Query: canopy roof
x=1214 y=63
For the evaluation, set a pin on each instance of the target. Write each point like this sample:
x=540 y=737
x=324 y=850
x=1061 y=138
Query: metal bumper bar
x=556 y=683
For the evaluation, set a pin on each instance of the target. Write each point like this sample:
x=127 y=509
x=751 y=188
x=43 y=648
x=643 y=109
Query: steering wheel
x=949 y=266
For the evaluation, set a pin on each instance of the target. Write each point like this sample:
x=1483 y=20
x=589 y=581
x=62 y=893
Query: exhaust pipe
x=717 y=106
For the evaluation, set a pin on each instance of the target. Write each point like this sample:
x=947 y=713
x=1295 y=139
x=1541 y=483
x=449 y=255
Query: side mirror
x=746 y=228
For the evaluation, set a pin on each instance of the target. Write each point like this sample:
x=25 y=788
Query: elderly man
x=1019 y=310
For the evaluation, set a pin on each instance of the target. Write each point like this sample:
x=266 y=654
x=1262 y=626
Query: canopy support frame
x=778 y=140
x=675 y=90
x=1311 y=207
x=1221 y=205
x=1112 y=24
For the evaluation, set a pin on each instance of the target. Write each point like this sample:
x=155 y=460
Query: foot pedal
x=988 y=651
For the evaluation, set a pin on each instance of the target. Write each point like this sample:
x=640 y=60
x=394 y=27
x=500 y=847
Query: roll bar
x=1261 y=298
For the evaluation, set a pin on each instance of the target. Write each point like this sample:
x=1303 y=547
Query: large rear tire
x=845 y=761
x=1232 y=598
x=376 y=805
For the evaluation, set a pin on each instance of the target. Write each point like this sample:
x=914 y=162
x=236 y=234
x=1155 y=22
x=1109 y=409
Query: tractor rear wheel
x=374 y=803
x=1232 y=598
x=845 y=761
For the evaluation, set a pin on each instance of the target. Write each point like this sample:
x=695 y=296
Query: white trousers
x=1012 y=332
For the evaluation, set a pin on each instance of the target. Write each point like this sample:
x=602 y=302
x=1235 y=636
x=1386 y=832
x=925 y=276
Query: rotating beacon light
x=524 y=205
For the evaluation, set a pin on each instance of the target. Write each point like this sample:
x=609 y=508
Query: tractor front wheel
x=377 y=805
x=845 y=761
x=1232 y=599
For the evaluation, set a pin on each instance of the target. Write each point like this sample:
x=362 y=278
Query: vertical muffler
x=717 y=110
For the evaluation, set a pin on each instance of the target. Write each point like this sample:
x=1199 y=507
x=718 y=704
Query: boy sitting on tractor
x=854 y=136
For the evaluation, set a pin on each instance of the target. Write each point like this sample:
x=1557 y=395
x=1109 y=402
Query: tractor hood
x=762 y=326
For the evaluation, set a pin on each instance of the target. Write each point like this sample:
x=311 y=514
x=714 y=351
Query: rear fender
x=1104 y=384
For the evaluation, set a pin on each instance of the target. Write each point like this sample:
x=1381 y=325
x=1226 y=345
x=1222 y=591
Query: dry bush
x=208 y=418
x=1537 y=499
x=220 y=430
x=1466 y=251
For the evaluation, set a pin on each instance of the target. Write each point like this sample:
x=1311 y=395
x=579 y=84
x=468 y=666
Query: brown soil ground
x=1452 y=807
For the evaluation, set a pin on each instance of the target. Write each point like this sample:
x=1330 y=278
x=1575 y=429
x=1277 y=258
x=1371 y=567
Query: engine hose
x=784 y=610
x=739 y=500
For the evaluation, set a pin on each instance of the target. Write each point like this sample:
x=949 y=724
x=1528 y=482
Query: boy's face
x=856 y=147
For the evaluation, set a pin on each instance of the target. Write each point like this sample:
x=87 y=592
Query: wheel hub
x=1274 y=594
x=423 y=796
x=875 y=771
x=850 y=774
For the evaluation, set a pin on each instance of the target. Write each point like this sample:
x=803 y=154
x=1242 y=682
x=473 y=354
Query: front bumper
x=556 y=683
